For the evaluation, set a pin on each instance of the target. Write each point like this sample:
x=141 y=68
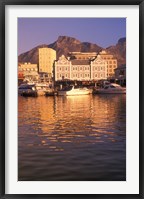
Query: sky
x=101 y=31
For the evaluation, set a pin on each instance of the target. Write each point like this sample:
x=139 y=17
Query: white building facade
x=82 y=70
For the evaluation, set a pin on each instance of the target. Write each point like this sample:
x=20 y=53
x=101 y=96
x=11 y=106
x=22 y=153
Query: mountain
x=119 y=51
x=64 y=44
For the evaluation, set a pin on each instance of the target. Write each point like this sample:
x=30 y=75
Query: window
x=95 y=75
x=95 y=68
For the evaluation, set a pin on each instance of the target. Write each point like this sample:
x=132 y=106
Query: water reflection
x=73 y=127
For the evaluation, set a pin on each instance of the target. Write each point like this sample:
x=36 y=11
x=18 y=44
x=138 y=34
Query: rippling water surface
x=72 y=138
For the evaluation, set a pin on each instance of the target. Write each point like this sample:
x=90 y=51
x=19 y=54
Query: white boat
x=111 y=88
x=42 y=88
x=74 y=91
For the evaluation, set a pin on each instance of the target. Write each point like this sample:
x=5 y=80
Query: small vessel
x=33 y=89
x=110 y=88
x=74 y=91
x=42 y=88
x=27 y=90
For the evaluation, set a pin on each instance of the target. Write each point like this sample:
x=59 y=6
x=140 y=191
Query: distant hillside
x=119 y=51
x=65 y=44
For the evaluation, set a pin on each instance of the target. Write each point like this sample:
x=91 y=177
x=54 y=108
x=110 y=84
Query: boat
x=42 y=88
x=111 y=88
x=74 y=91
x=33 y=89
x=27 y=90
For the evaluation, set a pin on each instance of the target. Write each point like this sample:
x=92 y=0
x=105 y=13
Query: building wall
x=81 y=70
x=28 y=69
x=98 y=68
x=111 y=63
x=82 y=55
x=62 y=68
x=46 y=59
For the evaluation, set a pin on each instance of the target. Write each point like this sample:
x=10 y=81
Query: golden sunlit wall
x=111 y=63
x=46 y=59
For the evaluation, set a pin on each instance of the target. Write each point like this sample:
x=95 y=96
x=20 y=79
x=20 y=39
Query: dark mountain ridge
x=63 y=45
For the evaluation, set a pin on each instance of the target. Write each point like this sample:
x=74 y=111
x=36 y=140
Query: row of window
x=112 y=62
x=81 y=75
x=29 y=69
x=83 y=68
x=112 y=66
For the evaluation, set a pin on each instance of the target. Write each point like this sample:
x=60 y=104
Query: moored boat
x=41 y=88
x=110 y=88
x=26 y=88
x=74 y=91
x=33 y=89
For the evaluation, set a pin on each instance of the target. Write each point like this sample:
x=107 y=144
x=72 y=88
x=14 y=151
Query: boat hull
x=102 y=91
x=74 y=92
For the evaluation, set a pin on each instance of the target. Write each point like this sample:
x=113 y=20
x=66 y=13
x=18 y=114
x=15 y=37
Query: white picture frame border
x=131 y=185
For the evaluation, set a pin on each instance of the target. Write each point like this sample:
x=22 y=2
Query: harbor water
x=73 y=138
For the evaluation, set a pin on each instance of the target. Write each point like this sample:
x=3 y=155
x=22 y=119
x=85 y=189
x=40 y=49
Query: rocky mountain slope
x=65 y=44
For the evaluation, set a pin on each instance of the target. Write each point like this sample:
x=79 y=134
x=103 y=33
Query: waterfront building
x=20 y=72
x=82 y=55
x=120 y=74
x=98 y=68
x=28 y=70
x=44 y=77
x=46 y=60
x=81 y=70
x=111 y=63
x=62 y=68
